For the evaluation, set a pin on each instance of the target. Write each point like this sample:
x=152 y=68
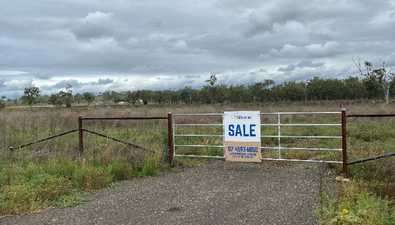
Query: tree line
x=372 y=84
x=315 y=89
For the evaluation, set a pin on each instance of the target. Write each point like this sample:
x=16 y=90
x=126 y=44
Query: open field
x=52 y=172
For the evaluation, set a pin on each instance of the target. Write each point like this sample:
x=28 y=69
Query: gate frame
x=343 y=149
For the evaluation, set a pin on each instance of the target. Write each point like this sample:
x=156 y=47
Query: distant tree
x=354 y=88
x=382 y=76
x=3 y=97
x=88 y=97
x=78 y=98
x=212 y=80
x=53 y=99
x=106 y=96
x=68 y=96
x=131 y=97
x=2 y=104
x=211 y=87
x=186 y=95
x=30 y=94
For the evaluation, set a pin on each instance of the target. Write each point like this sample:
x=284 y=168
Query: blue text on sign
x=242 y=130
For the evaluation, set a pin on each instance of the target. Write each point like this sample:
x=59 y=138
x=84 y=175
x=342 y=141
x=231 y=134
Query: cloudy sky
x=98 y=45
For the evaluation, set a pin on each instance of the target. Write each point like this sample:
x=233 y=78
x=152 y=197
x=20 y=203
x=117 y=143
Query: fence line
x=373 y=157
x=118 y=140
x=172 y=146
x=80 y=130
x=43 y=139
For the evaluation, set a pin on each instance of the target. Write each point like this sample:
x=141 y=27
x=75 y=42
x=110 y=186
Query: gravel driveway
x=215 y=193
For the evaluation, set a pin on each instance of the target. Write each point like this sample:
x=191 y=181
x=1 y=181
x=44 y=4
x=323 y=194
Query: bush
x=2 y=104
x=357 y=206
x=119 y=171
x=90 y=178
x=19 y=199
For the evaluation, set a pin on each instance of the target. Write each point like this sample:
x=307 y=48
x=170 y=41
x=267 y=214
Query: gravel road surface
x=215 y=193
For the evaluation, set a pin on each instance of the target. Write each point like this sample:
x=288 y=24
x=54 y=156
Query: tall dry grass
x=105 y=161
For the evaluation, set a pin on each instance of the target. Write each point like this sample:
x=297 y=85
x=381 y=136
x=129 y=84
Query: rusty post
x=170 y=136
x=344 y=141
x=80 y=135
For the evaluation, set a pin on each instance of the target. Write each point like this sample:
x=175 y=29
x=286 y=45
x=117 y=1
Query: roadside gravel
x=215 y=193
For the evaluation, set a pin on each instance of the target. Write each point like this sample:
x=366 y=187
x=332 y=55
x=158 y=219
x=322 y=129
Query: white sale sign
x=242 y=136
x=243 y=126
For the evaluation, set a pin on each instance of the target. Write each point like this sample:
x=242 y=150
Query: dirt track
x=215 y=193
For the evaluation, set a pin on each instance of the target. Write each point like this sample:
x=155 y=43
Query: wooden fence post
x=80 y=135
x=170 y=136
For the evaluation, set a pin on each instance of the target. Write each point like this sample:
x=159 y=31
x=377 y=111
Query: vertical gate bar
x=344 y=141
x=173 y=117
x=80 y=135
x=170 y=136
x=223 y=136
x=279 y=134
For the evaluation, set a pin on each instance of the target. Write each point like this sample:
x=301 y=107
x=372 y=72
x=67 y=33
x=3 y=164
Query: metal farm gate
x=180 y=122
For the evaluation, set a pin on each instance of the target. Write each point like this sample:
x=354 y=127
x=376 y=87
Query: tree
x=88 y=97
x=78 y=98
x=2 y=104
x=53 y=99
x=211 y=87
x=212 y=80
x=68 y=96
x=186 y=95
x=382 y=76
x=30 y=94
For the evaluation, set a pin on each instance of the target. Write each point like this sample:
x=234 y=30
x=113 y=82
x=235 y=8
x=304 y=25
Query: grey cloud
x=105 y=81
x=63 y=84
x=95 y=25
x=192 y=76
x=156 y=22
x=302 y=64
x=259 y=22
x=390 y=60
x=310 y=63
x=314 y=50
x=258 y=72
x=79 y=40
x=288 y=68
x=2 y=83
x=43 y=76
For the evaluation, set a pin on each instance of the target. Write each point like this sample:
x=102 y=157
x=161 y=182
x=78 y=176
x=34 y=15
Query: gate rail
x=279 y=137
x=174 y=125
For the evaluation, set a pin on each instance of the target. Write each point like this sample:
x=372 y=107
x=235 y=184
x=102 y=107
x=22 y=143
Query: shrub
x=19 y=199
x=358 y=206
x=2 y=104
x=90 y=178
x=119 y=171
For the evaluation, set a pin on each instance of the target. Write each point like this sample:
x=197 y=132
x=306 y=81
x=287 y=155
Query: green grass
x=356 y=205
x=369 y=198
x=52 y=173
